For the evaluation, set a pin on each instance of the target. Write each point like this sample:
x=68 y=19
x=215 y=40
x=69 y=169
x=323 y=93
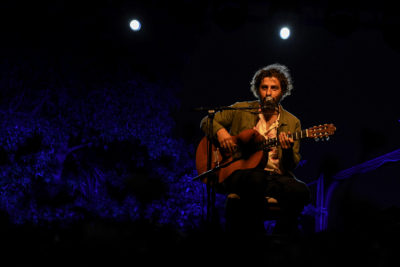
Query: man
x=248 y=190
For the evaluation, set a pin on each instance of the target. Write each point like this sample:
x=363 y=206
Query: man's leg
x=292 y=198
x=245 y=213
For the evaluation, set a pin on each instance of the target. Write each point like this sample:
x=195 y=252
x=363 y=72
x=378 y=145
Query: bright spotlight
x=135 y=25
x=284 y=33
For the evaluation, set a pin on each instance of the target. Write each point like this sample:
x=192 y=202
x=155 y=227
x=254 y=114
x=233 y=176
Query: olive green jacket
x=235 y=121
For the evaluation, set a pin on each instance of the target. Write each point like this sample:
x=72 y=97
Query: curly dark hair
x=276 y=70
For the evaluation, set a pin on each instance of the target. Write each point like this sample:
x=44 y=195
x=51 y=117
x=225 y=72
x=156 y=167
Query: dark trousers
x=252 y=186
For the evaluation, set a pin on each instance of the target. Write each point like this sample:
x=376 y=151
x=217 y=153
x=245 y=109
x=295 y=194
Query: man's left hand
x=286 y=141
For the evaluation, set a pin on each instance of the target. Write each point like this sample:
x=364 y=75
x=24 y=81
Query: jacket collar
x=283 y=120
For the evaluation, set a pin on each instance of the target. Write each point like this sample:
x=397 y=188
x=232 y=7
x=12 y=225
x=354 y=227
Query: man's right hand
x=225 y=140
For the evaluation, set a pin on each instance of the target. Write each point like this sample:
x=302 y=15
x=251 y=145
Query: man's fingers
x=229 y=145
x=285 y=141
x=232 y=146
x=290 y=139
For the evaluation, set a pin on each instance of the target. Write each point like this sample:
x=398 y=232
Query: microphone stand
x=212 y=178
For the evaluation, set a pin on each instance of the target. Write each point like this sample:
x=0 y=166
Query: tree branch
x=41 y=103
x=78 y=147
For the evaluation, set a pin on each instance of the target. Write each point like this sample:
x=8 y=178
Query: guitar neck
x=270 y=142
x=299 y=135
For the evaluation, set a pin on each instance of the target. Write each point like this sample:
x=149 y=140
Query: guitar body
x=250 y=152
x=247 y=156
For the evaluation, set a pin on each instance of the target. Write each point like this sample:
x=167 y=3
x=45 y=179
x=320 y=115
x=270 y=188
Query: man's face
x=270 y=86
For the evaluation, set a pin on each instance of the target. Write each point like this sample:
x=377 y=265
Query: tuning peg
x=327 y=138
x=316 y=139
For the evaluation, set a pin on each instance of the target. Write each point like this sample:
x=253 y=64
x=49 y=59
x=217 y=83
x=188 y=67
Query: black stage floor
x=99 y=243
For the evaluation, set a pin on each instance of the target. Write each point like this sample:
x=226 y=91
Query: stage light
x=135 y=25
x=284 y=33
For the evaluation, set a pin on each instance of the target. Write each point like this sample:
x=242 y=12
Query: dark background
x=343 y=57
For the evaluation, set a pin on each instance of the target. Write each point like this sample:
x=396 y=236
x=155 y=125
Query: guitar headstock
x=321 y=132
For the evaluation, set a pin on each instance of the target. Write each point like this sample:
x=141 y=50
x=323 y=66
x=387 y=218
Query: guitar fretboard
x=271 y=142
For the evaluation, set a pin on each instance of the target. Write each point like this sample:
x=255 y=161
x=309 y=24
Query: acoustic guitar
x=249 y=153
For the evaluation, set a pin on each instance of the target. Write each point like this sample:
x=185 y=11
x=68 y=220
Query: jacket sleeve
x=222 y=119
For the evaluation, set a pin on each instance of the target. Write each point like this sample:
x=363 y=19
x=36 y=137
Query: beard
x=269 y=105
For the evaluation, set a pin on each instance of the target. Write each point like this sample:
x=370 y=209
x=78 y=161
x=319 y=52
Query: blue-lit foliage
x=73 y=150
